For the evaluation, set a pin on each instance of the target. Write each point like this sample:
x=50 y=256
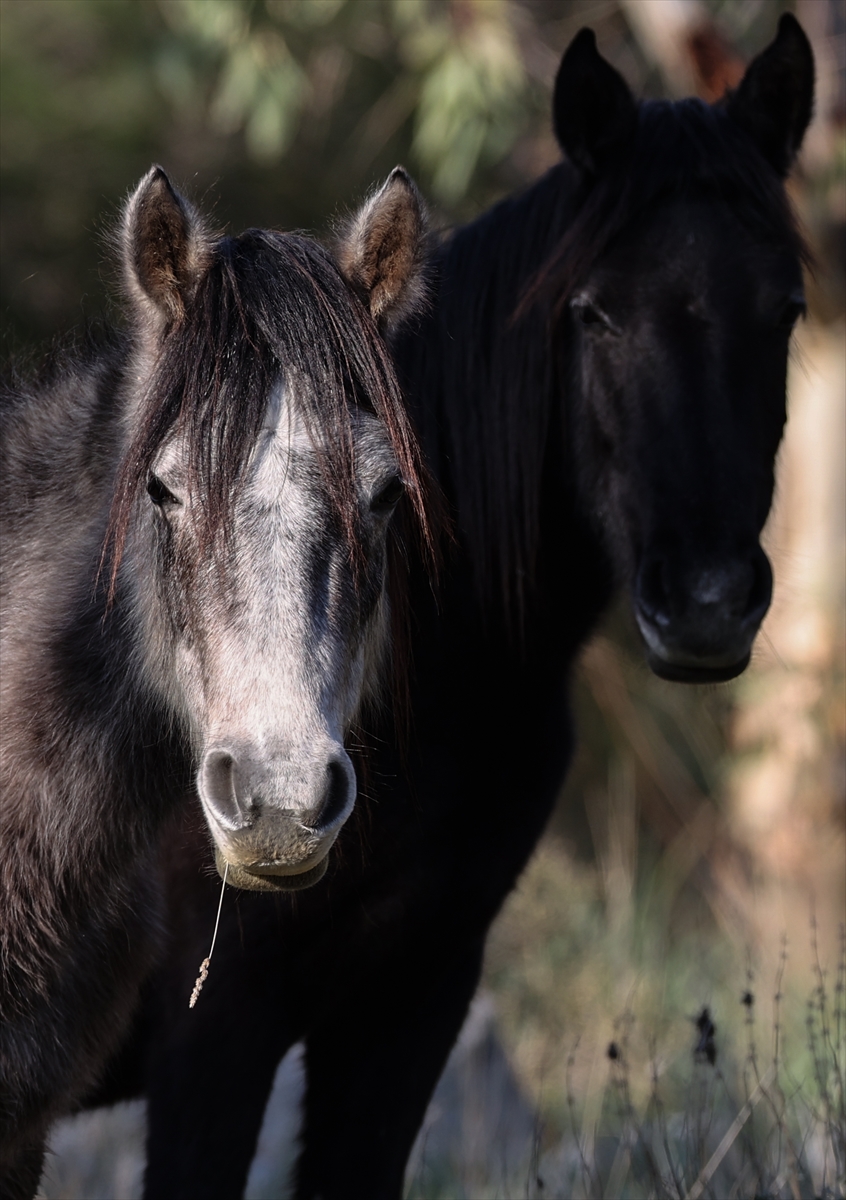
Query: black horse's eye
x=792 y=311
x=388 y=495
x=158 y=493
x=589 y=314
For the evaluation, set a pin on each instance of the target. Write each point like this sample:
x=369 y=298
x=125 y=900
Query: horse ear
x=593 y=110
x=775 y=98
x=165 y=248
x=382 y=251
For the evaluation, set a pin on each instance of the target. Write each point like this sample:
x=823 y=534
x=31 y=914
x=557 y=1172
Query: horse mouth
x=691 y=672
x=677 y=660
x=271 y=876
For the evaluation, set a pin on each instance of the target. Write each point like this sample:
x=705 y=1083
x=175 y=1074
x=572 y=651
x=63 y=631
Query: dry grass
x=616 y=1055
x=666 y=1068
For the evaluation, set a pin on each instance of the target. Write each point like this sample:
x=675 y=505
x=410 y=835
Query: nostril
x=737 y=590
x=219 y=788
x=723 y=588
x=336 y=796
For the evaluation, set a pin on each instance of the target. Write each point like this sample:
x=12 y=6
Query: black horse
x=599 y=388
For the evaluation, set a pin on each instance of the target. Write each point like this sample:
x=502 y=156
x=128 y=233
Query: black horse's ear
x=381 y=251
x=593 y=110
x=775 y=98
x=165 y=247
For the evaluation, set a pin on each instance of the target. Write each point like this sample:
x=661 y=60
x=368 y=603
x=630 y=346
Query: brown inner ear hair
x=393 y=261
x=381 y=251
x=160 y=274
x=163 y=237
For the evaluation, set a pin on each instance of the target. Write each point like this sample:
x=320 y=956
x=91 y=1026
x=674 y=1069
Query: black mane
x=681 y=149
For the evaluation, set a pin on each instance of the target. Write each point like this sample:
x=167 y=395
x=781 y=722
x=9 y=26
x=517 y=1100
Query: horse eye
x=792 y=311
x=588 y=314
x=388 y=495
x=158 y=493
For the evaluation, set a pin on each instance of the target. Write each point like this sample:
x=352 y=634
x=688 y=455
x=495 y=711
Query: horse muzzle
x=273 y=876
x=675 y=668
x=274 y=821
x=699 y=627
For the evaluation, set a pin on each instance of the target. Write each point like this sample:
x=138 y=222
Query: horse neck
x=69 y=689
x=482 y=386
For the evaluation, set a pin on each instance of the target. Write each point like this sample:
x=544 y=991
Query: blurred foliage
x=287 y=108
x=274 y=65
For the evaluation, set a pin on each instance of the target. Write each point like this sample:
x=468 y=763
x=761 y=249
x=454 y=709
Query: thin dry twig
x=656 y=1109
x=204 y=965
x=728 y=1140
x=587 y=1175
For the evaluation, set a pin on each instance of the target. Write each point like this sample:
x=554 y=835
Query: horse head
x=267 y=449
x=685 y=283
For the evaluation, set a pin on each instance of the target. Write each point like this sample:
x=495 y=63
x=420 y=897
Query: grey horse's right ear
x=165 y=247
x=382 y=251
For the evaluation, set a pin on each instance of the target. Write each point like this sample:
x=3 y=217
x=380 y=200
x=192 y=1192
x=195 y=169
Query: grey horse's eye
x=158 y=493
x=388 y=495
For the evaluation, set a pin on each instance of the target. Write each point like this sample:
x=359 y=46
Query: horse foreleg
x=371 y=1067
x=207 y=1090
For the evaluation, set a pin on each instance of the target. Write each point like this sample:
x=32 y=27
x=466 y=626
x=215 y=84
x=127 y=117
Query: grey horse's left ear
x=775 y=98
x=166 y=249
x=381 y=251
